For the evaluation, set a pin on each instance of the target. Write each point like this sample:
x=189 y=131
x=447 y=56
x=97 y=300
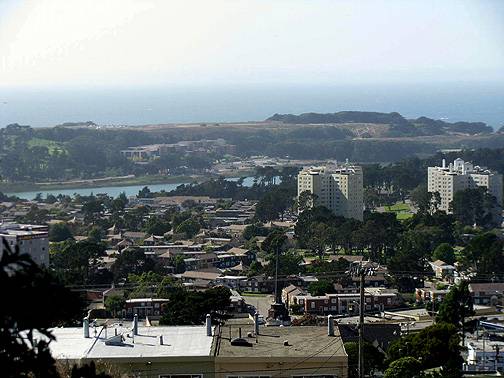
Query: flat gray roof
x=303 y=341
x=178 y=341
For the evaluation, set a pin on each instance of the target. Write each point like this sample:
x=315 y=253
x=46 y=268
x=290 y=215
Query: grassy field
x=51 y=145
x=398 y=207
x=402 y=210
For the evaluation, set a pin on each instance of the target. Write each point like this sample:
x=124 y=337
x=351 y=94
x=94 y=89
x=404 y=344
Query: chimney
x=330 y=326
x=444 y=163
x=85 y=327
x=256 y=323
x=160 y=339
x=208 y=323
x=135 y=324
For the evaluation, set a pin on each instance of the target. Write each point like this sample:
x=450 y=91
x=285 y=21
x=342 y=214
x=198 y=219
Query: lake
x=112 y=191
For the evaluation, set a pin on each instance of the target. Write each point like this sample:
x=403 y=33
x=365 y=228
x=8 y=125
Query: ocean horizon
x=156 y=105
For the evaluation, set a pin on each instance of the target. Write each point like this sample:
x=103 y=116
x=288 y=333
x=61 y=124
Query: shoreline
x=21 y=187
x=99 y=183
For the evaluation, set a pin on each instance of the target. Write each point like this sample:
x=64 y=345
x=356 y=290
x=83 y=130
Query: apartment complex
x=339 y=188
x=461 y=175
x=31 y=239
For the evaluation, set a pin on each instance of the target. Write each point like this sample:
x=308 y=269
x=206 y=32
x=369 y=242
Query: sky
x=93 y=43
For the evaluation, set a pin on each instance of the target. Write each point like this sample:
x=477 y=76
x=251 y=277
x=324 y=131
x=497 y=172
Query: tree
x=189 y=228
x=190 y=307
x=145 y=193
x=435 y=346
x=59 y=232
x=132 y=261
x=319 y=238
x=484 y=253
x=444 y=252
x=95 y=235
x=290 y=262
x=457 y=306
x=25 y=286
x=374 y=360
x=77 y=263
x=115 y=304
x=255 y=229
x=273 y=205
x=475 y=207
x=404 y=367
x=156 y=226
x=320 y=287
x=425 y=201
x=306 y=200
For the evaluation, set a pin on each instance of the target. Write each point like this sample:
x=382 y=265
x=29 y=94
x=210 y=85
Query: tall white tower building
x=461 y=175
x=339 y=188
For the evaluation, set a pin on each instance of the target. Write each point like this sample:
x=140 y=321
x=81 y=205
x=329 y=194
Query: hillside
x=397 y=124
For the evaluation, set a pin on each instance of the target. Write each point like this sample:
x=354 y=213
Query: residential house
x=487 y=293
x=144 y=307
x=442 y=270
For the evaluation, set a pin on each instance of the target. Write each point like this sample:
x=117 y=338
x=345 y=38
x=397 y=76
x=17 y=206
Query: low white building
x=484 y=355
x=164 y=351
x=31 y=239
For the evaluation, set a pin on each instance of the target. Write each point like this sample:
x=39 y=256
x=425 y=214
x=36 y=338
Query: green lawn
x=403 y=215
x=51 y=145
x=402 y=210
x=398 y=207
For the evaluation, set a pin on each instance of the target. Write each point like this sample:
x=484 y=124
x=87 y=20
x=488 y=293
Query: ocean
x=140 y=106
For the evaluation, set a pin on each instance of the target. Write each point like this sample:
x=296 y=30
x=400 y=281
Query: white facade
x=338 y=188
x=32 y=240
x=461 y=175
x=484 y=355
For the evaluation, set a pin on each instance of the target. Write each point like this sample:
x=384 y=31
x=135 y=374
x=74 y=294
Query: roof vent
x=115 y=340
x=286 y=343
x=240 y=342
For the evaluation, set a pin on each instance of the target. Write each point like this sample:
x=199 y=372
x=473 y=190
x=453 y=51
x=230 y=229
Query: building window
x=181 y=376
x=313 y=376
x=248 y=376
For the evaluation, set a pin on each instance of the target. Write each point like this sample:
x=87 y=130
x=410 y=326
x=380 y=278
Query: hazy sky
x=209 y=42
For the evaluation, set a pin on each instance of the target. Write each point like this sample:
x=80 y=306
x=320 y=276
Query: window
x=248 y=376
x=313 y=376
x=181 y=376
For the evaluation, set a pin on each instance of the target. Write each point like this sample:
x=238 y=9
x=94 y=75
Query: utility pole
x=361 y=327
x=361 y=271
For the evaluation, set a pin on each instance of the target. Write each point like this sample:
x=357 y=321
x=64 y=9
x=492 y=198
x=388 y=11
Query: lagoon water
x=112 y=191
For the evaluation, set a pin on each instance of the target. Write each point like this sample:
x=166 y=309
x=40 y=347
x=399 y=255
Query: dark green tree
x=457 y=306
x=25 y=286
x=59 y=232
x=190 y=307
x=132 y=261
x=115 y=304
x=404 y=367
x=373 y=362
x=444 y=252
x=189 y=228
x=320 y=287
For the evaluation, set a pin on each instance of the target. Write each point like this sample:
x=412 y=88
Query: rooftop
x=186 y=341
x=302 y=341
